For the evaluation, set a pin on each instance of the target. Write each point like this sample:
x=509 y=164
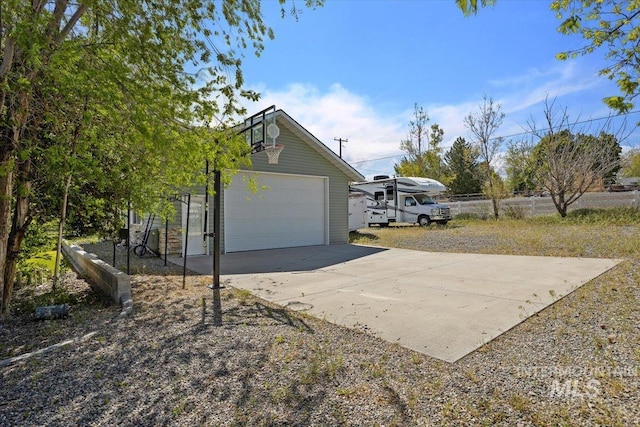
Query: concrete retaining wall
x=101 y=276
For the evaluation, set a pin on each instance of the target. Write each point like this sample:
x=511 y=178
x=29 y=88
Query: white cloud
x=562 y=80
x=338 y=113
x=374 y=135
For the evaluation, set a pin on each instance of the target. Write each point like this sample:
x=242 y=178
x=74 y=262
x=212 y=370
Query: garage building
x=301 y=201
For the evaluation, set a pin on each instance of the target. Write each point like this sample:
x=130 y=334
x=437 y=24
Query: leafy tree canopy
x=631 y=166
x=126 y=99
x=424 y=154
x=613 y=24
x=519 y=167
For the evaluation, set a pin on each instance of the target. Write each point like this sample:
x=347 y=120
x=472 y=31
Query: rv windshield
x=423 y=199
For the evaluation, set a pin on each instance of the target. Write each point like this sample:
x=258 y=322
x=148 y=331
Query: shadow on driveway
x=307 y=258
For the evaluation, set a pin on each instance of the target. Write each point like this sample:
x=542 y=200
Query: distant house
x=301 y=201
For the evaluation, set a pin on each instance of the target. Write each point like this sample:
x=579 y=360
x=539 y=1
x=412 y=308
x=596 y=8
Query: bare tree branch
x=570 y=159
x=483 y=125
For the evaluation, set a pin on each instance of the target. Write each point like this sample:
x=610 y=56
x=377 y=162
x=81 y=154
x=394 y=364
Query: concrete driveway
x=445 y=305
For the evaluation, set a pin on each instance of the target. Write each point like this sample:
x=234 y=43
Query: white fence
x=544 y=205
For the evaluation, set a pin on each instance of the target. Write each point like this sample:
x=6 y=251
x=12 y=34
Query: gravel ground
x=191 y=357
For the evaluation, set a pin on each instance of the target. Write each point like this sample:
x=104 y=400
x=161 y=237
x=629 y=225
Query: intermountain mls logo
x=575 y=382
x=573 y=388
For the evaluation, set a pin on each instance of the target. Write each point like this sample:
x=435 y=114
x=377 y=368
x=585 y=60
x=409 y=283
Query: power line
x=581 y=122
x=508 y=136
x=380 y=158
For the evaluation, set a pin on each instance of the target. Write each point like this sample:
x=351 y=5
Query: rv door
x=391 y=201
x=410 y=209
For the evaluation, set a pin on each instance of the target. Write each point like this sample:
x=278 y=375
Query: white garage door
x=287 y=211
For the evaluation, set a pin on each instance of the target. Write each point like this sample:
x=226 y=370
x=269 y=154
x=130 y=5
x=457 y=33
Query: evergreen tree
x=462 y=165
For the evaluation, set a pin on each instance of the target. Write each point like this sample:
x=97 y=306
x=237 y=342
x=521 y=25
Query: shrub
x=483 y=211
x=30 y=297
x=514 y=211
x=38 y=238
x=467 y=216
x=618 y=215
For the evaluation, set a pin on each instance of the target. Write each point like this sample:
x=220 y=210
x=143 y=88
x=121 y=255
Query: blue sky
x=355 y=68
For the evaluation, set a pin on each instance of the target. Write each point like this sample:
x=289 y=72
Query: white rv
x=404 y=199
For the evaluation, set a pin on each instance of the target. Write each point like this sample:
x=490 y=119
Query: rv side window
x=409 y=201
x=378 y=195
x=390 y=193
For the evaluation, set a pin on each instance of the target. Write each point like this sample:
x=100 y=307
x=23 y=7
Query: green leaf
x=618 y=103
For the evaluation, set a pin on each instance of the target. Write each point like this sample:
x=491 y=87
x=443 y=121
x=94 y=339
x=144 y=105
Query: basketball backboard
x=261 y=131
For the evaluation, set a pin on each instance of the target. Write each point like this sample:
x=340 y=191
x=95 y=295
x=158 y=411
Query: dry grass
x=593 y=329
x=513 y=237
x=269 y=366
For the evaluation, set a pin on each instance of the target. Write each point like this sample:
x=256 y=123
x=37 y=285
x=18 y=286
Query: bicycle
x=141 y=248
x=138 y=243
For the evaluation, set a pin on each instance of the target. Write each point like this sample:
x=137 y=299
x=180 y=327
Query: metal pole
x=217 y=188
x=128 y=235
x=340 y=141
x=186 y=243
x=166 y=240
x=206 y=207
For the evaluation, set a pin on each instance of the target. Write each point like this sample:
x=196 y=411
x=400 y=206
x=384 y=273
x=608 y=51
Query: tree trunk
x=19 y=225
x=496 y=208
x=494 y=196
x=6 y=187
x=63 y=219
x=560 y=204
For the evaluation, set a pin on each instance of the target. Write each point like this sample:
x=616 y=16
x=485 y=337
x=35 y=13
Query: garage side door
x=290 y=211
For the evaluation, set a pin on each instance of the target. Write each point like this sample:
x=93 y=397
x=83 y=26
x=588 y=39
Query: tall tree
x=631 y=164
x=568 y=160
x=483 y=126
x=424 y=154
x=462 y=166
x=116 y=90
x=519 y=167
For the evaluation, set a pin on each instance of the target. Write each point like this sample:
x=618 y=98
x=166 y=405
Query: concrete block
x=102 y=277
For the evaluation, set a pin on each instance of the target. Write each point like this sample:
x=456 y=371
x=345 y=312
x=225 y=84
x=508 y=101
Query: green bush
x=27 y=301
x=38 y=238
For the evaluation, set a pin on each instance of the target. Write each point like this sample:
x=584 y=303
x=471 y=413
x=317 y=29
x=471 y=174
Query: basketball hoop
x=273 y=152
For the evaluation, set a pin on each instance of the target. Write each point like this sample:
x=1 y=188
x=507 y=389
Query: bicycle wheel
x=140 y=250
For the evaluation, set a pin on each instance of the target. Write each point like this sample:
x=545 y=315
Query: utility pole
x=341 y=140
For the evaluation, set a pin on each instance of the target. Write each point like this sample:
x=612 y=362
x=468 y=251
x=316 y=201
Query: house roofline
x=349 y=170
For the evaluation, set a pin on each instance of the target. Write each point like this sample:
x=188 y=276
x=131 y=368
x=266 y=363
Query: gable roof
x=286 y=120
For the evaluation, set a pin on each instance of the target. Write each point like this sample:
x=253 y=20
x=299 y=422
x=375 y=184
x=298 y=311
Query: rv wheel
x=424 y=221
